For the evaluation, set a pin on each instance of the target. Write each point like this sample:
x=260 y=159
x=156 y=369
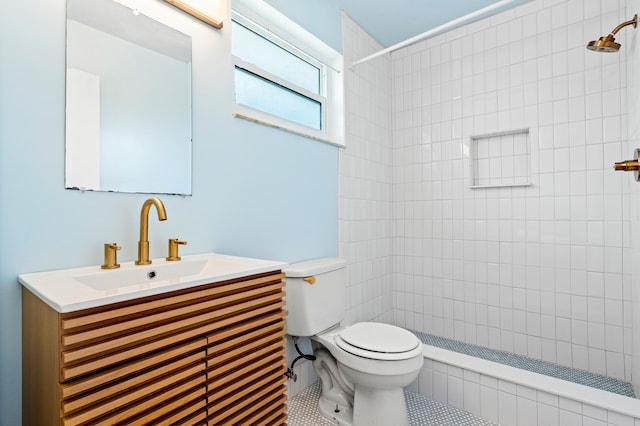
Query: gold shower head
x=608 y=43
x=604 y=44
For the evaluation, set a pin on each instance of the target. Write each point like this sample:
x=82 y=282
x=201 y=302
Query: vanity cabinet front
x=212 y=354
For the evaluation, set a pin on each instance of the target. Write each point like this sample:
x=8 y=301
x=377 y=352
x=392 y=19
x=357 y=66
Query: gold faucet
x=143 y=244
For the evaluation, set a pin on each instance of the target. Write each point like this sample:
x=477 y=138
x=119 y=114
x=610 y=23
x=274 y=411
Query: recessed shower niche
x=500 y=159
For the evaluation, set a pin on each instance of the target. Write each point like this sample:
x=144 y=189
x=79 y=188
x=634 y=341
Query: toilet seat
x=379 y=341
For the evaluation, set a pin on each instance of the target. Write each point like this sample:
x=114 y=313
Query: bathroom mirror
x=128 y=103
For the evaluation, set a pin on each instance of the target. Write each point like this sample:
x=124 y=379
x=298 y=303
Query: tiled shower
x=542 y=267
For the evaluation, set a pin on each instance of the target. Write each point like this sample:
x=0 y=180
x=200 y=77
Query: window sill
x=264 y=119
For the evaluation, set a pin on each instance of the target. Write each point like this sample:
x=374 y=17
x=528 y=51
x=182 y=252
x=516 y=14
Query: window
x=293 y=87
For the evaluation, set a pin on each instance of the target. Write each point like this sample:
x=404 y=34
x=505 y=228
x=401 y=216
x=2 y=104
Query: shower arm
x=633 y=22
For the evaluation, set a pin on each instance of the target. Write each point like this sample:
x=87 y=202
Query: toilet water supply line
x=290 y=373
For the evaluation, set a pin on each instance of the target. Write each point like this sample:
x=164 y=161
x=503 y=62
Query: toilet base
x=338 y=414
x=373 y=407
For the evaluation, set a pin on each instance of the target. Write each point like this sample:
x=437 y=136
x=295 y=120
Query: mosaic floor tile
x=537 y=366
x=303 y=411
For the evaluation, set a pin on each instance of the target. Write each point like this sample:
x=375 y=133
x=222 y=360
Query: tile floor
x=422 y=411
x=582 y=377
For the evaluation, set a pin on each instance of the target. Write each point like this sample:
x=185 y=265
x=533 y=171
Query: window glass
x=272 y=58
x=264 y=95
x=284 y=76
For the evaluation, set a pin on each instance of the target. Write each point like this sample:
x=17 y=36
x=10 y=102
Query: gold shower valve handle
x=173 y=249
x=310 y=280
x=627 y=166
x=630 y=165
x=111 y=256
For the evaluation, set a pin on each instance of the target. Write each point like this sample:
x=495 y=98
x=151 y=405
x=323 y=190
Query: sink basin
x=141 y=275
x=70 y=290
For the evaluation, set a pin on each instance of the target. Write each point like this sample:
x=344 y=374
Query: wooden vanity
x=210 y=354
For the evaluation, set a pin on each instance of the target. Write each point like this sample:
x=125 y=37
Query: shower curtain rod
x=434 y=31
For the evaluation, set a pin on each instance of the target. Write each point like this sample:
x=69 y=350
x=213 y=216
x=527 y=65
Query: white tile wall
x=365 y=215
x=544 y=271
x=539 y=270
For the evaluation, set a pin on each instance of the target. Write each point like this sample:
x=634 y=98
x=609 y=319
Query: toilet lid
x=379 y=341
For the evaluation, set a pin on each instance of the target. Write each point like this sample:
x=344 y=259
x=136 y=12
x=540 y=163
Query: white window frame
x=267 y=22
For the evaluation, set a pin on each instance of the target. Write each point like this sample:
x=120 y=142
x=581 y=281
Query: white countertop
x=69 y=290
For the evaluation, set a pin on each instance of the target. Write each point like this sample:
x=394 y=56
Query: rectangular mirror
x=128 y=105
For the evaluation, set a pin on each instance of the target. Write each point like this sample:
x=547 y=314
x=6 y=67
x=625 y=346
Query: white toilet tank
x=315 y=296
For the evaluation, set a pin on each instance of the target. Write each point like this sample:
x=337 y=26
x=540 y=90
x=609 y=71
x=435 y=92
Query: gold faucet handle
x=173 y=249
x=111 y=256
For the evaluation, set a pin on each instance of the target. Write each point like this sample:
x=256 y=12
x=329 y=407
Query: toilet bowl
x=375 y=361
x=363 y=367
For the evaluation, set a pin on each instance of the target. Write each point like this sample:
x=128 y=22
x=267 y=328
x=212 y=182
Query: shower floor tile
x=303 y=411
x=535 y=365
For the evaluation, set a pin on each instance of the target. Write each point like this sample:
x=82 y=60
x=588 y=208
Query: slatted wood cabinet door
x=212 y=354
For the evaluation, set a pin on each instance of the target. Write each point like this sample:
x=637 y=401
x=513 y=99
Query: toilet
x=363 y=367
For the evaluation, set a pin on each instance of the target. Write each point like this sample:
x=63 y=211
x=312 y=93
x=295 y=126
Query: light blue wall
x=256 y=191
x=320 y=17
